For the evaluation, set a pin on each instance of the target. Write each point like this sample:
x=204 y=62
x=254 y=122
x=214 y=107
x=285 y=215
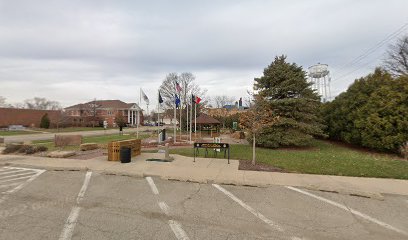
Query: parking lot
x=37 y=204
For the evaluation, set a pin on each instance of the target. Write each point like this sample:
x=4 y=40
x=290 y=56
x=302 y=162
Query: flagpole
x=138 y=113
x=181 y=106
x=147 y=109
x=187 y=126
x=195 y=120
x=175 y=119
x=158 y=117
x=191 y=117
x=140 y=96
x=137 y=123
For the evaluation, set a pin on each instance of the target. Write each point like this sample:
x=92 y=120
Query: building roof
x=205 y=119
x=117 y=104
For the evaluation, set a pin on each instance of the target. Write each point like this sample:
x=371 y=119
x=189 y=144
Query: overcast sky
x=73 y=51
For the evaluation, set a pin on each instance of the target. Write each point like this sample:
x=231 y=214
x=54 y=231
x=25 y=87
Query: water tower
x=319 y=75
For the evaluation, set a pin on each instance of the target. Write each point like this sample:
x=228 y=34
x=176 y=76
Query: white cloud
x=73 y=51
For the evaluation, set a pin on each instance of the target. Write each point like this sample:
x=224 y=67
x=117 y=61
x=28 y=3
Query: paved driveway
x=89 y=205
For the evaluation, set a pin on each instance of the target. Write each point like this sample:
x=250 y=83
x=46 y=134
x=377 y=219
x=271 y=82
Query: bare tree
x=188 y=87
x=249 y=99
x=3 y=102
x=397 y=57
x=41 y=104
x=18 y=105
x=221 y=101
x=93 y=112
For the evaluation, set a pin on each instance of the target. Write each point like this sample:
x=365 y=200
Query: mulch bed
x=85 y=155
x=247 y=165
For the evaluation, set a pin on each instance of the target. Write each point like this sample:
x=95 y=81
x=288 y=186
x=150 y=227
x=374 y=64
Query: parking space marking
x=72 y=219
x=164 y=207
x=253 y=211
x=8 y=185
x=18 y=180
x=15 y=175
x=12 y=171
x=249 y=208
x=174 y=225
x=152 y=185
x=355 y=212
x=178 y=230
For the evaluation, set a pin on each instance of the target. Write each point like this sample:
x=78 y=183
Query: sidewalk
x=210 y=170
x=48 y=136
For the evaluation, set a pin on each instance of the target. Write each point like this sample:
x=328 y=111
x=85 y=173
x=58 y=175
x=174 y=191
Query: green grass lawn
x=324 y=158
x=14 y=133
x=92 y=139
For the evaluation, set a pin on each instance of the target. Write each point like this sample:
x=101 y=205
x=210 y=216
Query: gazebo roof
x=205 y=119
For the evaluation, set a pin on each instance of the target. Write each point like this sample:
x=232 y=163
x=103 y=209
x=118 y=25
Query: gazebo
x=207 y=124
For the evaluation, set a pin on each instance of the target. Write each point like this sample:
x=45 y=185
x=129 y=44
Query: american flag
x=178 y=88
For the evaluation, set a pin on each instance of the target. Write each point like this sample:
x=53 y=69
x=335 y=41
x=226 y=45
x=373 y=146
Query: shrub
x=28 y=149
x=41 y=148
x=371 y=113
x=20 y=148
x=12 y=148
x=45 y=121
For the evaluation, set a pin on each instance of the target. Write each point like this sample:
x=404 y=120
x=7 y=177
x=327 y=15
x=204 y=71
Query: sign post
x=206 y=146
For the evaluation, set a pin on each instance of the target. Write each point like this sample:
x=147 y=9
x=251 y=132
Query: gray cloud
x=73 y=51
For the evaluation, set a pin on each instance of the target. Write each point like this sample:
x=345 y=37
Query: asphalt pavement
x=91 y=205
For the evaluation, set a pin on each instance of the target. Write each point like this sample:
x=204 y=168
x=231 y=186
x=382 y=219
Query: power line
x=374 y=48
x=359 y=68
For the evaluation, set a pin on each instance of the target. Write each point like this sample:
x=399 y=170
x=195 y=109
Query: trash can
x=163 y=135
x=125 y=155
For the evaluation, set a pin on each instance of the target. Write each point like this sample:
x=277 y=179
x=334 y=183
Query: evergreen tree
x=45 y=121
x=371 y=113
x=284 y=92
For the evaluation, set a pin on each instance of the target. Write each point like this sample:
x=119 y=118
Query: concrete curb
x=332 y=184
x=23 y=165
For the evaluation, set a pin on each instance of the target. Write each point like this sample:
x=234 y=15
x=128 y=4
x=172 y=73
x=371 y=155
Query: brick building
x=104 y=110
x=27 y=117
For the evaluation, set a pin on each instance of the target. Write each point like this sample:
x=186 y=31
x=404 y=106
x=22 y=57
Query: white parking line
x=249 y=208
x=26 y=180
x=13 y=171
x=17 y=175
x=174 y=225
x=164 y=207
x=14 y=179
x=152 y=185
x=69 y=226
x=357 y=213
x=9 y=185
x=178 y=230
x=29 y=169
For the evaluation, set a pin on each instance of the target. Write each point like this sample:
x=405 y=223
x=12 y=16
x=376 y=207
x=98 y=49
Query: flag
x=145 y=98
x=160 y=98
x=197 y=100
x=178 y=88
x=177 y=101
x=192 y=99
